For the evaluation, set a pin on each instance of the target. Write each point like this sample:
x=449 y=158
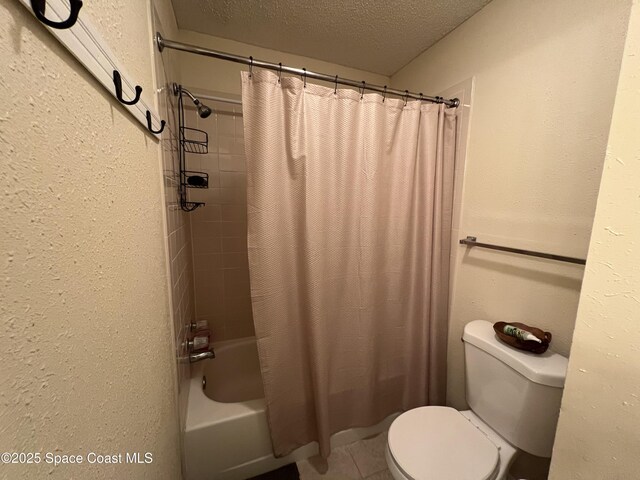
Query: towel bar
x=472 y=242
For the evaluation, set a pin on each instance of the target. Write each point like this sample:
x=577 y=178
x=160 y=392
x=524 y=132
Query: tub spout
x=198 y=356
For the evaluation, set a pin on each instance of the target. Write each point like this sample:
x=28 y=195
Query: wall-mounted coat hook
x=117 y=81
x=162 y=124
x=39 y=6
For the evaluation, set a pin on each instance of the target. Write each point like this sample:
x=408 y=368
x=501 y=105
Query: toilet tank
x=516 y=393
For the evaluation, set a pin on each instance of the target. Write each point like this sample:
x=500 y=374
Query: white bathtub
x=227 y=435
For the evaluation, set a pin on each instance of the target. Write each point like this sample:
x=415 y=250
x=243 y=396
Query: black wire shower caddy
x=191 y=141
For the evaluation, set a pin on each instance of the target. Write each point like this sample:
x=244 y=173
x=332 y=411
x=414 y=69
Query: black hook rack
x=162 y=124
x=117 y=81
x=39 y=6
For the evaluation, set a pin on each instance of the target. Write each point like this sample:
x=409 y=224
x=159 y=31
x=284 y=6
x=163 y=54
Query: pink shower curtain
x=349 y=205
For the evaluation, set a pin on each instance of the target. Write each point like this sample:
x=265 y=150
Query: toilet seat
x=439 y=443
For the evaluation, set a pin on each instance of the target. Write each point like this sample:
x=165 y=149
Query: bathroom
x=157 y=320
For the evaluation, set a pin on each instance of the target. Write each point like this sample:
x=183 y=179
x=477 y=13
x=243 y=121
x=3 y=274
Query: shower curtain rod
x=166 y=43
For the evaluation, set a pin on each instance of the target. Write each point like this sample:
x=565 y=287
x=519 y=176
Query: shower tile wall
x=219 y=229
x=178 y=224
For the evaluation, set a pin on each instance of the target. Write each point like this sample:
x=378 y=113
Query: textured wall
x=125 y=28
x=546 y=75
x=86 y=344
x=597 y=433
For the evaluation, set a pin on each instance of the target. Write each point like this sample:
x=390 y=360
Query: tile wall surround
x=219 y=229
x=178 y=228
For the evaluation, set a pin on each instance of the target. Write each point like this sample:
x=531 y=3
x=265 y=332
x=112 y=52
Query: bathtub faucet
x=197 y=356
x=201 y=354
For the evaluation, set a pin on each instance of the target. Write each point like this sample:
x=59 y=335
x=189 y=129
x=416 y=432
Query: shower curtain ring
x=279 y=72
x=406 y=97
x=251 y=67
x=362 y=92
x=304 y=78
x=421 y=96
x=384 y=94
x=335 y=88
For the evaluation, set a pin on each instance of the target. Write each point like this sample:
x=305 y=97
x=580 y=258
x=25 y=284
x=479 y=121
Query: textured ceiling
x=373 y=35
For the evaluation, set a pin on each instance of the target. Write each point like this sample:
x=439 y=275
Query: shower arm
x=178 y=89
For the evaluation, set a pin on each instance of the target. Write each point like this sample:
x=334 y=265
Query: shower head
x=203 y=110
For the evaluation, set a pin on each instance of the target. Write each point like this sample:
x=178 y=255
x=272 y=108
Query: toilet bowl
x=515 y=402
x=441 y=443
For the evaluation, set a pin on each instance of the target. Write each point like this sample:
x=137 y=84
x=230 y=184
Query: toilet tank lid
x=549 y=368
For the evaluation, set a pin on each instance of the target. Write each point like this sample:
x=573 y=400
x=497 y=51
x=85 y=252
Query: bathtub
x=226 y=432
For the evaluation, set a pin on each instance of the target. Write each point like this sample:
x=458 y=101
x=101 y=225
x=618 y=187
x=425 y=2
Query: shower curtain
x=349 y=226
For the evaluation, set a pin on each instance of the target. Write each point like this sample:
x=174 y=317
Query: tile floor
x=363 y=459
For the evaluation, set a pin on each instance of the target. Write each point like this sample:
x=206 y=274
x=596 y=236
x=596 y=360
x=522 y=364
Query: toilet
x=515 y=402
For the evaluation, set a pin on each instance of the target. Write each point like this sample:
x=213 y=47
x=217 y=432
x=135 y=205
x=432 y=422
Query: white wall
x=597 y=434
x=545 y=77
x=87 y=357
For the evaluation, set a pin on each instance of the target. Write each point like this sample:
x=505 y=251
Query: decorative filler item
x=519 y=335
